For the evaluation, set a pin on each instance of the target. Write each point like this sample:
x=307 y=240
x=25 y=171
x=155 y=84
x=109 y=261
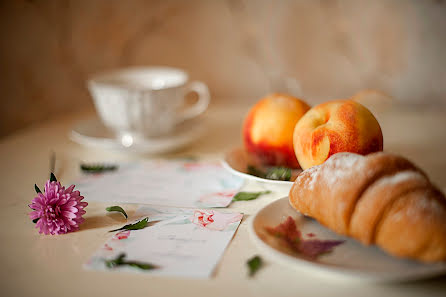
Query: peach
x=268 y=130
x=333 y=127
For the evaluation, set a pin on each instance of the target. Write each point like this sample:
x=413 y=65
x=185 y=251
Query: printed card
x=177 y=242
x=163 y=182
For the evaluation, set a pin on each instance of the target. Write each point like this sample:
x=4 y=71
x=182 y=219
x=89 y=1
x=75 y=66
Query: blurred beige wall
x=241 y=48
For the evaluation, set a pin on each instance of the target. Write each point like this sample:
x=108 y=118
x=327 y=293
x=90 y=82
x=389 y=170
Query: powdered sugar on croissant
x=380 y=198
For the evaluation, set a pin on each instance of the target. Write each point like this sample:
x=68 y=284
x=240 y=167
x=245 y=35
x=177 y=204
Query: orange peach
x=268 y=130
x=333 y=127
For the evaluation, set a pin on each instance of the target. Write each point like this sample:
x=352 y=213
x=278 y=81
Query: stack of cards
x=180 y=242
x=161 y=182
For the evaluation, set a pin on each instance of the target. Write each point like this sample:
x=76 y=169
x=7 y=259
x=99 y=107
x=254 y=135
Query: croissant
x=381 y=199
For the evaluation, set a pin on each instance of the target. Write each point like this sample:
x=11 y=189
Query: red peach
x=268 y=130
x=333 y=127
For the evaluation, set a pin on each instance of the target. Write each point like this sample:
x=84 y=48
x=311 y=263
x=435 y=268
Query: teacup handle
x=202 y=102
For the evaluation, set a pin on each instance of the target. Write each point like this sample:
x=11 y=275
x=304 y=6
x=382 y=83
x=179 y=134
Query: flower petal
x=68 y=214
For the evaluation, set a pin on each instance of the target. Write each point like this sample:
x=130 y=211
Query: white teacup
x=146 y=101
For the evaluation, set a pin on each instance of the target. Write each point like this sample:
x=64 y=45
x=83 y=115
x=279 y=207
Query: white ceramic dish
x=93 y=133
x=236 y=161
x=349 y=260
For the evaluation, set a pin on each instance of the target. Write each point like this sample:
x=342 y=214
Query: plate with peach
x=239 y=163
x=268 y=154
x=282 y=135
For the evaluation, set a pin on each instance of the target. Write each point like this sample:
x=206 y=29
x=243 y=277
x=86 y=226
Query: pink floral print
x=122 y=235
x=214 y=220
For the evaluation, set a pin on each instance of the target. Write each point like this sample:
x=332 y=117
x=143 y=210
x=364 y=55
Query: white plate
x=93 y=133
x=350 y=259
x=236 y=161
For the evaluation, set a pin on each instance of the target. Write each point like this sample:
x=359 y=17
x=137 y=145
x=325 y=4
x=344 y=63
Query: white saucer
x=350 y=260
x=92 y=133
x=236 y=161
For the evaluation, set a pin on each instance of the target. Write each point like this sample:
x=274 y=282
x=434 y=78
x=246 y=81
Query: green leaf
x=254 y=264
x=115 y=262
x=53 y=177
x=136 y=226
x=279 y=173
x=97 y=168
x=36 y=220
x=140 y=265
x=245 y=196
x=274 y=173
x=118 y=209
x=119 y=261
x=37 y=189
x=255 y=171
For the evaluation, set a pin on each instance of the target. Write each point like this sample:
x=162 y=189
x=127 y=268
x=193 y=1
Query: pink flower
x=58 y=210
x=203 y=217
x=107 y=247
x=122 y=235
x=214 y=220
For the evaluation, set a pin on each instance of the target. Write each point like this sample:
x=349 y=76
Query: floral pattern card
x=163 y=182
x=178 y=242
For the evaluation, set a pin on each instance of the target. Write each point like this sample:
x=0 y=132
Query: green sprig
x=120 y=261
x=136 y=226
x=53 y=177
x=273 y=173
x=279 y=173
x=118 y=209
x=254 y=264
x=97 y=168
x=255 y=171
x=245 y=196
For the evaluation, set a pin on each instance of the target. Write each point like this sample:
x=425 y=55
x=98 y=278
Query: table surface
x=38 y=265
